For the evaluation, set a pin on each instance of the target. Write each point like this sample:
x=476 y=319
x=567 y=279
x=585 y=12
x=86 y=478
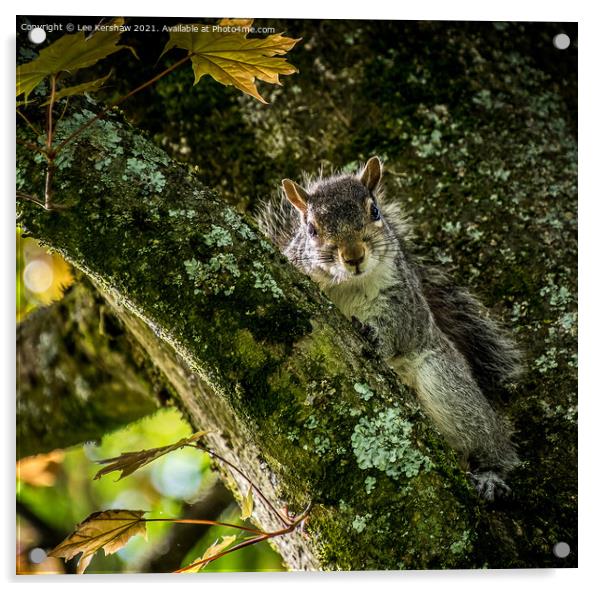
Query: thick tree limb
x=256 y=354
x=76 y=375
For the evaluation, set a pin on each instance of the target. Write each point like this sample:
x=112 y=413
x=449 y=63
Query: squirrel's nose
x=355 y=262
x=353 y=254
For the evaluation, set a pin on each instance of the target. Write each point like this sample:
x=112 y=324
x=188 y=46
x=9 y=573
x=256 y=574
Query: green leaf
x=210 y=553
x=69 y=54
x=234 y=60
x=247 y=505
x=80 y=88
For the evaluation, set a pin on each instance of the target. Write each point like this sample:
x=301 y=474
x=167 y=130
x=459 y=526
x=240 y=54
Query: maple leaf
x=131 y=461
x=109 y=530
x=69 y=53
x=232 y=59
x=236 y=22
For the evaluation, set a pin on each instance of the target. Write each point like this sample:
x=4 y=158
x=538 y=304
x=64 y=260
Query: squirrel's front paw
x=367 y=331
x=490 y=485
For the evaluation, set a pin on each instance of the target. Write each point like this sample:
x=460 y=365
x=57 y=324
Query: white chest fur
x=361 y=296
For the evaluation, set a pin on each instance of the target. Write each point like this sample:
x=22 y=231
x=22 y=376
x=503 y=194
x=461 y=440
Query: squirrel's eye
x=374 y=212
x=311 y=230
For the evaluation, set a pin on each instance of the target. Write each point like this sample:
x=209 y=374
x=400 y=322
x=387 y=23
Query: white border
x=590 y=286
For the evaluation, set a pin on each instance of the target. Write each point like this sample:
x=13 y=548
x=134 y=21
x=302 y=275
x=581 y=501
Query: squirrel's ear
x=296 y=194
x=372 y=173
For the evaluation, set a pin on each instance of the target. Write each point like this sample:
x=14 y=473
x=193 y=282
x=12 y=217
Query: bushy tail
x=491 y=353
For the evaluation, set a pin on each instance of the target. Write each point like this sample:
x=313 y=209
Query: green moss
x=321 y=444
x=463 y=545
x=247 y=350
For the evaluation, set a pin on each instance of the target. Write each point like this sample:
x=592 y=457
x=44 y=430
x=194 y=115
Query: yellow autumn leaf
x=232 y=59
x=109 y=530
x=236 y=22
x=40 y=470
x=210 y=553
x=131 y=461
x=247 y=505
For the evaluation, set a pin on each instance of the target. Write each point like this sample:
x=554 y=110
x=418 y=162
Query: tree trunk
x=257 y=355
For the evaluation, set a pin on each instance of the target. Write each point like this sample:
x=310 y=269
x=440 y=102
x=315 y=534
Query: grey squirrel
x=356 y=246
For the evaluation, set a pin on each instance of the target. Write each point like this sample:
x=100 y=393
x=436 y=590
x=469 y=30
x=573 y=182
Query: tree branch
x=76 y=375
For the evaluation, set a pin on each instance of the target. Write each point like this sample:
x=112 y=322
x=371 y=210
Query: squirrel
x=357 y=247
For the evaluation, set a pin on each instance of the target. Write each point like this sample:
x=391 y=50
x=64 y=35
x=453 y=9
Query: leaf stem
x=64 y=110
x=207 y=522
x=243 y=544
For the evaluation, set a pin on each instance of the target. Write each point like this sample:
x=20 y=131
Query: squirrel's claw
x=490 y=486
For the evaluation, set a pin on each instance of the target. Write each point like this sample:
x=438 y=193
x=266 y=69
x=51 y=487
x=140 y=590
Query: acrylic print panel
x=222 y=371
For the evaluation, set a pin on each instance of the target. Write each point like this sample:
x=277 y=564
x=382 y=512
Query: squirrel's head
x=342 y=221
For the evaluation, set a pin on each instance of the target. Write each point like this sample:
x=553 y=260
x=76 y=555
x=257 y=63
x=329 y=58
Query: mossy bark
x=78 y=375
x=476 y=124
x=256 y=354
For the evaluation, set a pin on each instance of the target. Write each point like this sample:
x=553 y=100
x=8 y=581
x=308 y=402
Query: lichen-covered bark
x=77 y=375
x=476 y=124
x=256 y=354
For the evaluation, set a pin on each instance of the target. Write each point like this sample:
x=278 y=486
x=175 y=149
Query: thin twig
x=275 y=511
x=31 y=125
x=243 y=544
x=53 y=207
x=26 y=197
x=48 y=185
x=31 y=146
x=118 y=102
x=250 y=541
x=49 y=152
x=49 y=128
